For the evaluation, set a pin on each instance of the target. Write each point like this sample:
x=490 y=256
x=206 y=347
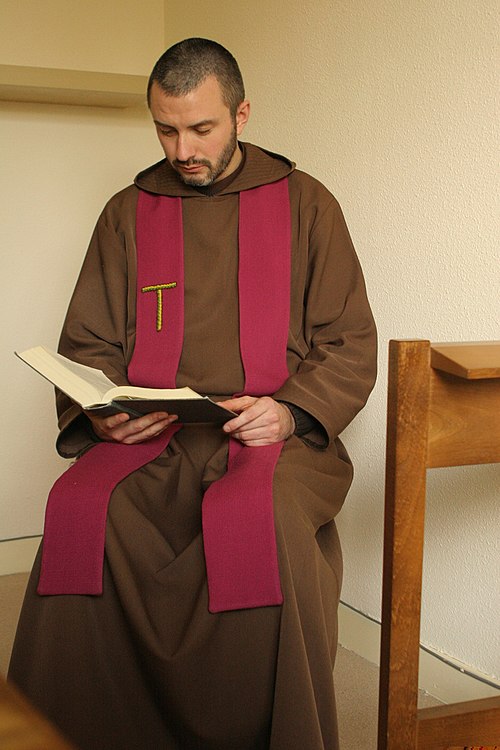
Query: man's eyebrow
x=200 y=124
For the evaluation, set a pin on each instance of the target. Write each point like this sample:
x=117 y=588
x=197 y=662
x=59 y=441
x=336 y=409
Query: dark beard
x=214 y=171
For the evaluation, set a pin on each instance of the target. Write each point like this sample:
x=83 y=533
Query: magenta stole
x=237 y=511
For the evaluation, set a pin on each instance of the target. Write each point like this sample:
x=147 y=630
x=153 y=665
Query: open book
x=95 y=392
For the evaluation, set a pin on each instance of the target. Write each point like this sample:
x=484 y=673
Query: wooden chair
x=443 y=410
x=24 y=728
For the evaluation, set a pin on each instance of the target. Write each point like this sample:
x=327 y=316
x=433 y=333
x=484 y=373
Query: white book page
x=89 y=386
x=81 y=383
x=133 y=391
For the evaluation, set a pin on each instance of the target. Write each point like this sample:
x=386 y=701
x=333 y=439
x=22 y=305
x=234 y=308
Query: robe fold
x=146 y=666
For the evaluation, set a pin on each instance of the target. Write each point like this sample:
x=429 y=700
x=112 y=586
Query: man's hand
x=120 y=428
x=260 y=421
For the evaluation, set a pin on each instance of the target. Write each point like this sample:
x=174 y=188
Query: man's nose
x=184 y=150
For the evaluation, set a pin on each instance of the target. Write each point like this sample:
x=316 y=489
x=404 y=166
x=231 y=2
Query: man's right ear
x=242 y=116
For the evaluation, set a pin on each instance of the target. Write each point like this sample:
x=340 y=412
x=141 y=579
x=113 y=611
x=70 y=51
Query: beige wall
x=112 y=36
x=59 y=165
x=392 y=105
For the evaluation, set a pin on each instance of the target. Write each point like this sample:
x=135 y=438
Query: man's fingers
x=150 y=431
x=238 y=404
x=255 y=410
x=102 y=426
x=266 y=421
x=122 y=429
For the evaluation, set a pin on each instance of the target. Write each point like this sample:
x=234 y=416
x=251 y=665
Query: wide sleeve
x=96 y=330
x=333 y=335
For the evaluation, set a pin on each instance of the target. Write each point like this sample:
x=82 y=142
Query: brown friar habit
x=146 y=666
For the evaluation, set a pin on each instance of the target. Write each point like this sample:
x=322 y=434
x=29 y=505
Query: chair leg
x=407 y=418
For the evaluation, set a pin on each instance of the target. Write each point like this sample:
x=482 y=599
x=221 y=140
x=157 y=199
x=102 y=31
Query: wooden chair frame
x=443 y=410
x=22 y=727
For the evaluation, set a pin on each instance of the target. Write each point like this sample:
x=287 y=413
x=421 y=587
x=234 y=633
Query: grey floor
x=356 y=679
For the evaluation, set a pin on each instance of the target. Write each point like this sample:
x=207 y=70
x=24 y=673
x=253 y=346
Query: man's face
x=197 y=132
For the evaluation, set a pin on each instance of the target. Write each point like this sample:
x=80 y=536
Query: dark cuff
x=304 y=422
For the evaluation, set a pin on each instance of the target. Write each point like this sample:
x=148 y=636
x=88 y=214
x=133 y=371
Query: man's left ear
x=242 y=115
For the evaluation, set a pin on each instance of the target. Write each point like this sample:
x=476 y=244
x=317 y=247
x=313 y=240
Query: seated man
x=207 y=617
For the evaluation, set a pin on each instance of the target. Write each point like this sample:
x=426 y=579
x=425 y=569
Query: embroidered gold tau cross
x=158 y=288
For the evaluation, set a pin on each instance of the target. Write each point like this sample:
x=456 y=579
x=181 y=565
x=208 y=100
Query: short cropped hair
x=183 y=67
